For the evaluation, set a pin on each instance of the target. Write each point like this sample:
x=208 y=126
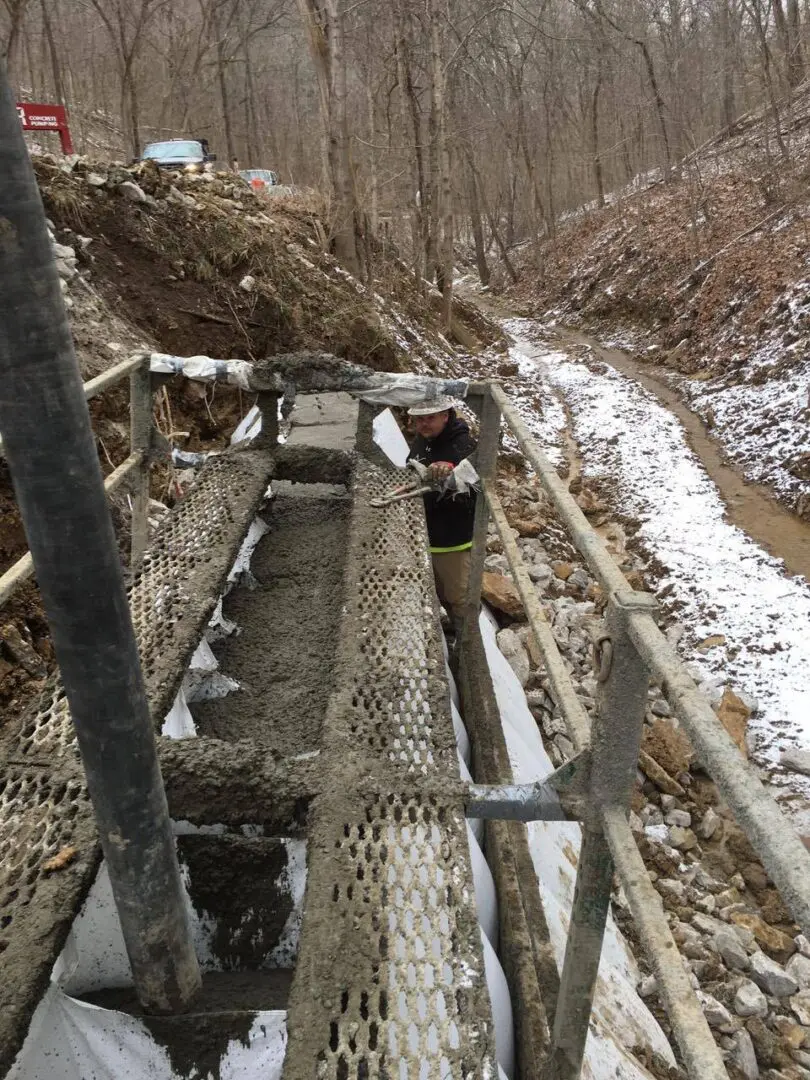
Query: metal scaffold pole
x=51 y=454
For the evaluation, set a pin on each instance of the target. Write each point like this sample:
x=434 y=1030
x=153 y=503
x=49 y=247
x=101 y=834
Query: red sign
x=35 y=117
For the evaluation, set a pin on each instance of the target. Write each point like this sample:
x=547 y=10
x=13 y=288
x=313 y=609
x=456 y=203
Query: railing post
x=489 y=417
x=615 y=740
x=140 y=421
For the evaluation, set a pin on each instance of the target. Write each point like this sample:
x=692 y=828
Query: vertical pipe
x=489 y=416
x=52 y=458
x=140 y=423
x=583 y=949
x=615 y=739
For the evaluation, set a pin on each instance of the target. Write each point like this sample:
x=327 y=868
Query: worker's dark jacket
x=449 y=519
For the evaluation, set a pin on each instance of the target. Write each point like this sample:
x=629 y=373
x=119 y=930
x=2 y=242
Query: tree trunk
x=597 y=161
x=345 y=226
x=477 y=225
x=728 y=51
x=409 y=108
x=56 y=68
x=659 y=108
x=797 y=67
x=443 y=214
x=224 y=97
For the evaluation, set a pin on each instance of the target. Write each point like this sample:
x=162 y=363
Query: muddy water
x=751 y=507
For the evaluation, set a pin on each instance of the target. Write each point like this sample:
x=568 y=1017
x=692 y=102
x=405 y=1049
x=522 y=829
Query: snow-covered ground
x=721 y=582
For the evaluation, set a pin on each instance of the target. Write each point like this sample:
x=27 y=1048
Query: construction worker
x=442 y=441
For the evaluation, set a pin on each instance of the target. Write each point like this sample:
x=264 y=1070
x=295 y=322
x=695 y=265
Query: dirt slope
x=200 y=265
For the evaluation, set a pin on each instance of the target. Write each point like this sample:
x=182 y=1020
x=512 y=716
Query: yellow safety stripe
x=447 y=550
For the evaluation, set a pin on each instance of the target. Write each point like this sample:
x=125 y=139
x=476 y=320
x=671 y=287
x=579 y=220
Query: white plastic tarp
x=203 y=368
x=73 y=1040
x=402 y=390
x=77 y=1041
x=620 y=1017
x=389 y=438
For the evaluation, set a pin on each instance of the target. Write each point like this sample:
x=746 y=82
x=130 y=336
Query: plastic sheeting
x=402 y=390
x=389 y=438
x=72 y=1040
x=620 y=1018
x=203 y=368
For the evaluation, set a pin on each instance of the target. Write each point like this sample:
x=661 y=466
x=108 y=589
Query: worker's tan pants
x=451 y=569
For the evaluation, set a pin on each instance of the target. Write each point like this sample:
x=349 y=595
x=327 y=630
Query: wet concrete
x=284 y=656
x=328 y=420
x=751 y=507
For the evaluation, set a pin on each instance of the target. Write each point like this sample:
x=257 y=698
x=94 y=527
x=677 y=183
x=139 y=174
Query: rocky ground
x=745 y=956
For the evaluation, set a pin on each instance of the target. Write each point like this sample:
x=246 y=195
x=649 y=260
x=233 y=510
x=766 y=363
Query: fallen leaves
x=62 y=859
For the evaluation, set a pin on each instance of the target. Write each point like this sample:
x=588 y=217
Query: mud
x=284 y=656
x=222 y=1012
x=752 y=507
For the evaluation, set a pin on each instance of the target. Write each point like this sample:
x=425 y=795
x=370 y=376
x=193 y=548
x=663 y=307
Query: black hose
x=53 y=462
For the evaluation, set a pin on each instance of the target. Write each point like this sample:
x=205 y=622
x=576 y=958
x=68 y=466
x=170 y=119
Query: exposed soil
x=285 y=671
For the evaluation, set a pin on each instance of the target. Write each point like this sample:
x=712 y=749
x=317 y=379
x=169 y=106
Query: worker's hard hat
x=435 y=405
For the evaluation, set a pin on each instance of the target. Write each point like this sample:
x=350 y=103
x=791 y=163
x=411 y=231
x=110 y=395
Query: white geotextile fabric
x=73 y=1040
x=620 y=1017
x=77 y=1041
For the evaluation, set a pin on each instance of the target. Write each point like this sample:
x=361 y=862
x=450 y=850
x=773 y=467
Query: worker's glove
x=460 y=480
x=439 y=471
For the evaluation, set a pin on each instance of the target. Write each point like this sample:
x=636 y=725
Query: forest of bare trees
x=438 y=118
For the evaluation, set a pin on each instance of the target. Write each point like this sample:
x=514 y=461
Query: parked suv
x=189 y=154
x=259 y=179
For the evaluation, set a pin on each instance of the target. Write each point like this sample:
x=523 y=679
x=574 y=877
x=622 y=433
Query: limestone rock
x=563 y=570
x=499 y=592
x=734 y=715
x=743 y=1055
x=798 y=967
x=797 y=761
x=749 y=1000
x=793 y=1034
x=21 y=651
x=768 y=936
x=682 y=839
x=727 y=945
x=717 y=1015
x=512 y=648
x=132 y=191
x=800 y=1007
x=708 y=825
x=526 y=527
x=681 y=818
x=772 y=977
